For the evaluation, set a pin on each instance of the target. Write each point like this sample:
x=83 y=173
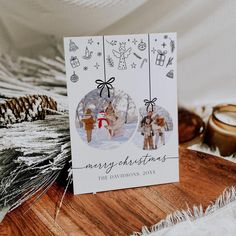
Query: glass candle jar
x=221 y=129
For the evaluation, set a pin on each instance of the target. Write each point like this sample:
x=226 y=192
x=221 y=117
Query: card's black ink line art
x=110 y=61
x=172 y=45
x=112 y=42
x=122 y=54
x=90 y=41
x=105 y=84
x=85 y=68
x=135 y=54
x=109 y=167
x=74 y=78
x=102 y=84
x=169 y=61
x=165 y=36
x=143 y=61
x=87 y=54
x=153 y=50
x=133 y=65
x=161 y=56
x=72 y=46
x=134 y=41
x=163 y=44
x=151 y=101
x=99 y=54
x=96 y=65
x=74 y=61
x=155 y=40
x=98 y=43
x=142 y=45
x=170 y=74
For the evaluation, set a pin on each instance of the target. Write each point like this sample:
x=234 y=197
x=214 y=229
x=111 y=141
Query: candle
x=221 y=129
x=228 y=117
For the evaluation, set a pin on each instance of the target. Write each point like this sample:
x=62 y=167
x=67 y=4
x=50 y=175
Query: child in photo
x=159 y=130
x=88 y=121
x=147 y=132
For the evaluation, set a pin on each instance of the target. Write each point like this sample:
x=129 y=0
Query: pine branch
x=31 y=158
x=33 y=154
x=172 y=45
x=110 y=61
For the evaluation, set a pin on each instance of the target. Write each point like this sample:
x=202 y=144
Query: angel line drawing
x=122 y=55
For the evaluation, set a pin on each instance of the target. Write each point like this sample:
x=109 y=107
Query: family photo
x=105 y=123
x=154 y=128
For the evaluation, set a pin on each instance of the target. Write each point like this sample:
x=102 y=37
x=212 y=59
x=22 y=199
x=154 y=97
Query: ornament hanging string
x=149 y=102
x=104 y=84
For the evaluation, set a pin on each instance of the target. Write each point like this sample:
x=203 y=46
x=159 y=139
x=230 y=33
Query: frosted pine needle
x=32 y=154
x=31 y=157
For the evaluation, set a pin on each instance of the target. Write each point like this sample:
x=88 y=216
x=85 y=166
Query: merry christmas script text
x=144 y=160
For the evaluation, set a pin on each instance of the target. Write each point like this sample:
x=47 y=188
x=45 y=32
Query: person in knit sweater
x=88 y=121
x=147 y=132
x=158 y=127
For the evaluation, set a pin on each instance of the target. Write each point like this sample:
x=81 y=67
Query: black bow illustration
x=102 y=84
x=150 y=103
x=162 y=53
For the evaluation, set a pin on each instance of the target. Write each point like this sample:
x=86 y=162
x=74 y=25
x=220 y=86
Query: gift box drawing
x=161 y=56
x=74 y=61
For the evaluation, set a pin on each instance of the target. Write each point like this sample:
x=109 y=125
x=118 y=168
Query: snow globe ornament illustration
x=106 y=119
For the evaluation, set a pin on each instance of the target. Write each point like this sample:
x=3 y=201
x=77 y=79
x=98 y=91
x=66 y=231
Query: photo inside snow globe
x=106 y=122
x=154 y=128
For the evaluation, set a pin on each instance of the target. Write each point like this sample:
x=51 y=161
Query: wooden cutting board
x=202 y=179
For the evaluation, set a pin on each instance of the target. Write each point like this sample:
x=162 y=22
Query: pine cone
x=27 y=108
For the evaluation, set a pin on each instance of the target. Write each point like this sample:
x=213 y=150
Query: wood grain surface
x=202 y=179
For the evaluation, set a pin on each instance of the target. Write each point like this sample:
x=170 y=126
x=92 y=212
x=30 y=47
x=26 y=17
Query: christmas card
x=123 y=110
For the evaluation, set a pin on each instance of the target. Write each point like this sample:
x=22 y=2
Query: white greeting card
x=122 y=93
